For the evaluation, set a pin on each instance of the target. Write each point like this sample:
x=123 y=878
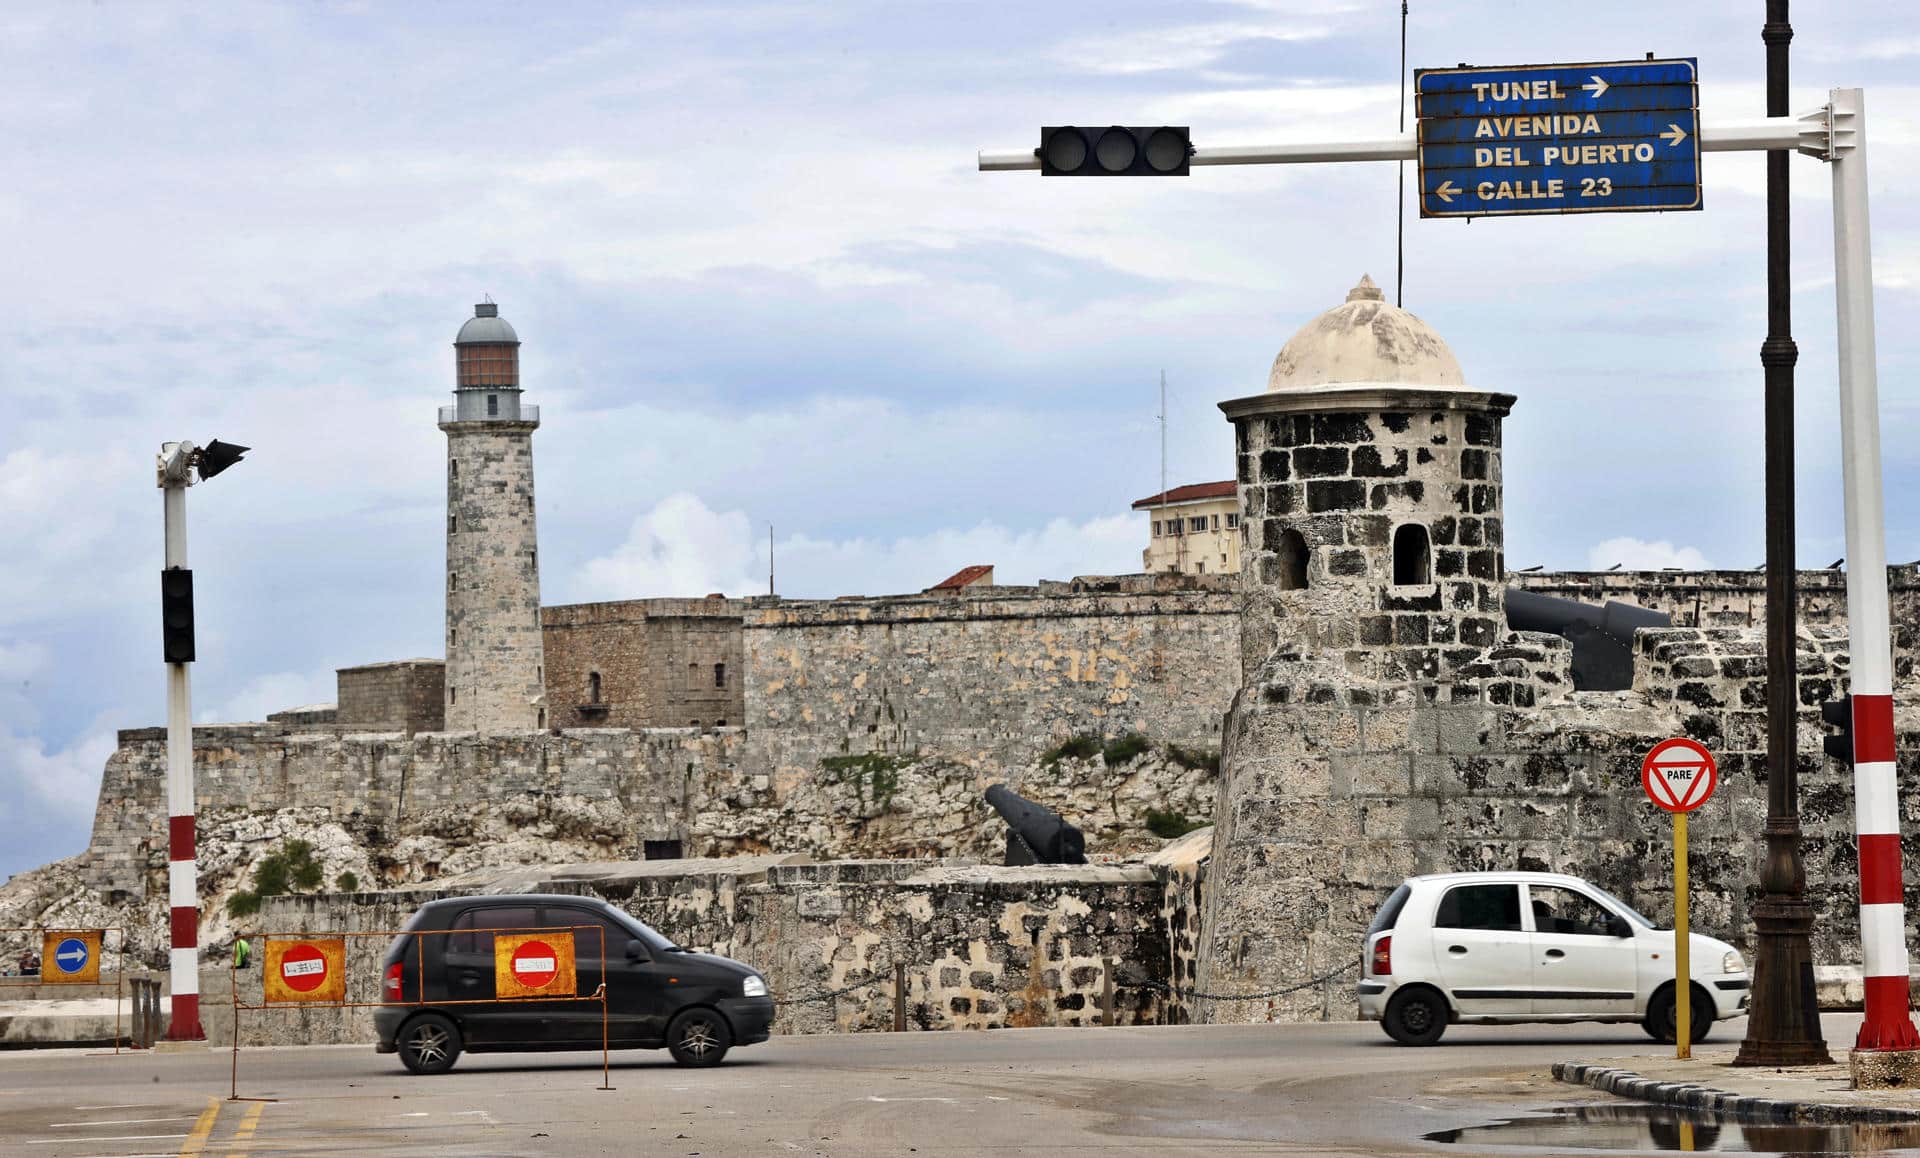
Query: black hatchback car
x=695 y=1004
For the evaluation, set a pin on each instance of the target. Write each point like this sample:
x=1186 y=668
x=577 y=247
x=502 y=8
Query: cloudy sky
x=759 y=280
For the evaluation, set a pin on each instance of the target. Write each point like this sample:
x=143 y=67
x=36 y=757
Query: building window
x=1216 y=522
x=593 y=687
x=493 y=406
x=1197 y=524
x=453 y=523
x=1292 y=561
x=453 y=694
x=1199 y=566
x=1156 y=528
x=533 y=559
x=453 y=468
x=719 y=723
x=543 y=717
x=1412 y=557
x=1233 y=522
x=453 y=637
x=1174 y=526
x=719 y=675
x=453 y=580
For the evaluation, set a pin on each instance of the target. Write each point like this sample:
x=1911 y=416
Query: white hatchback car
x=1494 y=948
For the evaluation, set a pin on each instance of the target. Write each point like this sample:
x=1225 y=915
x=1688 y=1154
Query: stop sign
x=303 y=968
x=535 y=964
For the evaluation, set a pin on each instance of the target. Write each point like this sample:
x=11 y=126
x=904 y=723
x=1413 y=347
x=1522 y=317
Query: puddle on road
x=1642 y=1128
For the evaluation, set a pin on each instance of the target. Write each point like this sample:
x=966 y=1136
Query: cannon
x=1602 y=637
x=1035 y=834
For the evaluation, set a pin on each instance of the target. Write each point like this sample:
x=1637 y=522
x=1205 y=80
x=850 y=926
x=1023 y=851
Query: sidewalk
x=1709 y=1081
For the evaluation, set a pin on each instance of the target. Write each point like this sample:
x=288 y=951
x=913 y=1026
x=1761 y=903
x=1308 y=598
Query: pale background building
x=1193 y=529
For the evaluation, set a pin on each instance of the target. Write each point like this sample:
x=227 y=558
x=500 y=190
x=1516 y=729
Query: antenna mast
x=769 y=558
x=1164 y=528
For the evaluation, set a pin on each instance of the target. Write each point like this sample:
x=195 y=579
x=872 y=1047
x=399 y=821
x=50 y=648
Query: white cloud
x=1640 y=555
x=1189 y=46
x=683 y=548
x=266 y=694
x=679 y=548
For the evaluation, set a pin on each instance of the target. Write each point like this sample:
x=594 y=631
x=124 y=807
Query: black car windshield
x=1621 y=905
x=653 y=940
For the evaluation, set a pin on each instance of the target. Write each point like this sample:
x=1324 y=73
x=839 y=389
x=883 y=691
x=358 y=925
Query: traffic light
x=1839 y=714
x=217 y=456
x=1115 y=151
x=176 y=614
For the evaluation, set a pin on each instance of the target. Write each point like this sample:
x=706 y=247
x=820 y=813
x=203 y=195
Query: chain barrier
x=826 y=995
x=1161 y=986
x=1195 y=995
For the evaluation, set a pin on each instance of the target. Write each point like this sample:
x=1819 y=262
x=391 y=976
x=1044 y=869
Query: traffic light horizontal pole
x=1808 y=134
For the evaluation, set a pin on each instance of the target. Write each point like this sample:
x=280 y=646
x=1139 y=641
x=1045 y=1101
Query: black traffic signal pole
x=1784 y=1025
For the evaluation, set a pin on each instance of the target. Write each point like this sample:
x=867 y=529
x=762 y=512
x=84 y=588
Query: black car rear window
x=1480 y=907
x=1390 y=911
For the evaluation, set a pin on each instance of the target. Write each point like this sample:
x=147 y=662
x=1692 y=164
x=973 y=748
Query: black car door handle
x=1459 y=950
x=1556 y=953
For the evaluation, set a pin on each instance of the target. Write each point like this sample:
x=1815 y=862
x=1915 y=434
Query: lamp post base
x=1783 y=1025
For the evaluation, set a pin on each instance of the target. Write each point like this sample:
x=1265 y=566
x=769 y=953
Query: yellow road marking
x=202 y=1129
x=244 y=1133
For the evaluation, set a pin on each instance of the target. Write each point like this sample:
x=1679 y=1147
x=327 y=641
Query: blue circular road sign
x=70 y=955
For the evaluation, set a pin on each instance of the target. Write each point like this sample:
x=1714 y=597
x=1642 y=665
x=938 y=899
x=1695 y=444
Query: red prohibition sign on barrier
x=535 y=964
x=304 y=968
x=1679 y=775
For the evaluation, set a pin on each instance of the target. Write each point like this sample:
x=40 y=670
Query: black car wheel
x=1663 y=1015
x=1416 y=1016
x=429 y=1044
x=699 y=1037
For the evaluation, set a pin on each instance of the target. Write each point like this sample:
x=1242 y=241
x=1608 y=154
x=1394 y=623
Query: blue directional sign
x=70 y=955
x=1621 y=137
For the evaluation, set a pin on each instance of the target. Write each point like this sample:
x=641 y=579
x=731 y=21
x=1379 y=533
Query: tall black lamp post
x=1784 y=1027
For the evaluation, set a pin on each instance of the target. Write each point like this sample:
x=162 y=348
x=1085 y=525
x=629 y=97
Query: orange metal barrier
x=286 y=954
x=50 y=939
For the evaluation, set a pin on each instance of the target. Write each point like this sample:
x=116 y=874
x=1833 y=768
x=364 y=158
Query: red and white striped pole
x=183 y=896
x=1883 y=923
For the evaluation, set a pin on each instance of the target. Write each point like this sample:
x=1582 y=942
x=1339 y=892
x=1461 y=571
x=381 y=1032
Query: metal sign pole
x=1682 y=946
x=1883 y=942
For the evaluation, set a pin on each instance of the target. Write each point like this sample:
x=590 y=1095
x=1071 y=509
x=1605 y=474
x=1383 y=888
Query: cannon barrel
x=1602 y=637
x=1036 y=834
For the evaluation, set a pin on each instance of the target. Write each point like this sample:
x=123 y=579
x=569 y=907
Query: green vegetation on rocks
x=289 y=869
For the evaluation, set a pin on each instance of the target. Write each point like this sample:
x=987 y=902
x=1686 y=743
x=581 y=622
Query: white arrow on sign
x=1674 y=134
x=1597 y=86
x=79 y=954
x=1447 y=191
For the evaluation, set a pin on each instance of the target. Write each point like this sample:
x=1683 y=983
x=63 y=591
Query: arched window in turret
x=1412 y=555
x=593 y=687
x=1292 y=559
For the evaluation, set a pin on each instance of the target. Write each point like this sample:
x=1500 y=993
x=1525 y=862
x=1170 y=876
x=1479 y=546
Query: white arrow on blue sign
x=1619 y=137
x=70 y=955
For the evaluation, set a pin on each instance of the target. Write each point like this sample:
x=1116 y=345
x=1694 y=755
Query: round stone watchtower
x=1369 y=478
x=1371 y=610
x=494 y=653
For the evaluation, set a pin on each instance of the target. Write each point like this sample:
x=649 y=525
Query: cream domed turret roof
x=1364 y=341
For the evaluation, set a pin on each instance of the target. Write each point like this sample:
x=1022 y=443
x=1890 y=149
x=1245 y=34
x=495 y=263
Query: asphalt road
x=1335 y=1089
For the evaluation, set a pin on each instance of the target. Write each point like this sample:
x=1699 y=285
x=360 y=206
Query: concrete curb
x=1627 y=1084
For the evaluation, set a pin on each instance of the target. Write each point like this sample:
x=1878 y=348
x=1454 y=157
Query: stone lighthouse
x=1371 y=597
x=494 y=660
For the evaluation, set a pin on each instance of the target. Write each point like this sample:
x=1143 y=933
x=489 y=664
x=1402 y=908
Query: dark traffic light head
x=1839 y=714
x=1115 y=151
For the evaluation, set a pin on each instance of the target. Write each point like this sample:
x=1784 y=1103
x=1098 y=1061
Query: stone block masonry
x=987 y=680
x=407 y=696
x=646 y=663
x=495 y=677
